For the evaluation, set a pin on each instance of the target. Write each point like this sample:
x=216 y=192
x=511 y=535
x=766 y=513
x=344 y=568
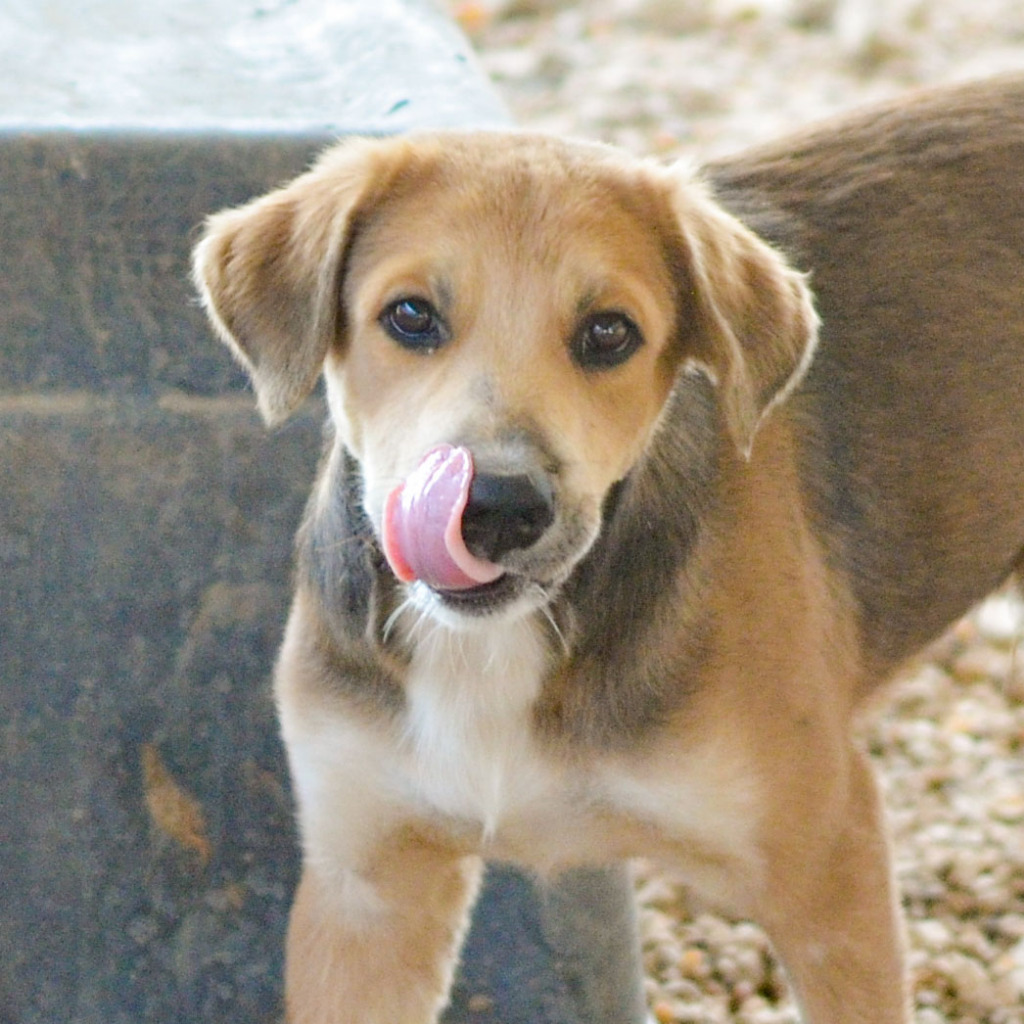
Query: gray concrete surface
x=253 y=65
x=147 y=853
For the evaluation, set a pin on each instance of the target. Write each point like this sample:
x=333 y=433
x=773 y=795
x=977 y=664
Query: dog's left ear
x=269 y=273
x=756 y=328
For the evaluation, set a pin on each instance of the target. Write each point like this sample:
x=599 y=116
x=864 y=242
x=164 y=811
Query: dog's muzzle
x=451 y=528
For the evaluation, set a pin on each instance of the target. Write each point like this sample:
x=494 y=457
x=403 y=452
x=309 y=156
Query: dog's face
x=500 y=321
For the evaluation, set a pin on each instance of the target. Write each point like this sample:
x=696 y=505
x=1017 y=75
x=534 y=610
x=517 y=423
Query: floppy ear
x=756 y=327
x=269 y=276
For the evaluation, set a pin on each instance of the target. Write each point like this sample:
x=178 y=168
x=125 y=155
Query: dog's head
x=500 y=320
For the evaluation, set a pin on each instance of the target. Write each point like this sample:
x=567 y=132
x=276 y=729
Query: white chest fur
x=468 y=736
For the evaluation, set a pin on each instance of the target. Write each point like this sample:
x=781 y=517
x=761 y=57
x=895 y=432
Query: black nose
x=505 y=513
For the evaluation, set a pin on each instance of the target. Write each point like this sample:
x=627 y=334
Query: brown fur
x=743 y=546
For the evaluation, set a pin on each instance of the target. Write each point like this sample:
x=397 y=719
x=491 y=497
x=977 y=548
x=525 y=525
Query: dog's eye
x=414 y=324
x=605 y=340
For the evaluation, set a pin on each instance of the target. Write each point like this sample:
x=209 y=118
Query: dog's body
x=662 y=606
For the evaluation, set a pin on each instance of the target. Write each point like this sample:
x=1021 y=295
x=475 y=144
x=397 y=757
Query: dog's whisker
x=423 y=627
x=549 y=616
x=392 y=620
x=347 y=542
x=458 y=647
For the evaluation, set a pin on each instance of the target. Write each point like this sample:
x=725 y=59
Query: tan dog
x=566 y=594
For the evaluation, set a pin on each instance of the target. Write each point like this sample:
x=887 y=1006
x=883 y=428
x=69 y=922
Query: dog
x=639 y=481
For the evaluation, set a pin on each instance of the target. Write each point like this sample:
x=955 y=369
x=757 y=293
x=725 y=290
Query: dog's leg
x=379 y=947
x=833 y=914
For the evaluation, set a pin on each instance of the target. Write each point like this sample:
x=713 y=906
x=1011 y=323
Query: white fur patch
x=468 y=732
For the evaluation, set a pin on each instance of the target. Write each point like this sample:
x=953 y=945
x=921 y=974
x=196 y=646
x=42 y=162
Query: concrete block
x=95 y=292
x=148 y=849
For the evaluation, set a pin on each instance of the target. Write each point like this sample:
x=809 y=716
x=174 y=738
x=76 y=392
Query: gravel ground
x=702 y=78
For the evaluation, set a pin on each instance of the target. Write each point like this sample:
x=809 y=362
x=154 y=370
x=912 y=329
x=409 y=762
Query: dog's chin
x=508 y=598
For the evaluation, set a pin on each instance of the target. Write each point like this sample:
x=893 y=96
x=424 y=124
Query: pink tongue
x=422 y=527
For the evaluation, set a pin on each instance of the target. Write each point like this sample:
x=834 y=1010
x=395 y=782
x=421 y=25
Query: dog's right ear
x=269 y=274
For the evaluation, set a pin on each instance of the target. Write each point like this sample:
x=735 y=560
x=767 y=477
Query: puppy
x=610 y=541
